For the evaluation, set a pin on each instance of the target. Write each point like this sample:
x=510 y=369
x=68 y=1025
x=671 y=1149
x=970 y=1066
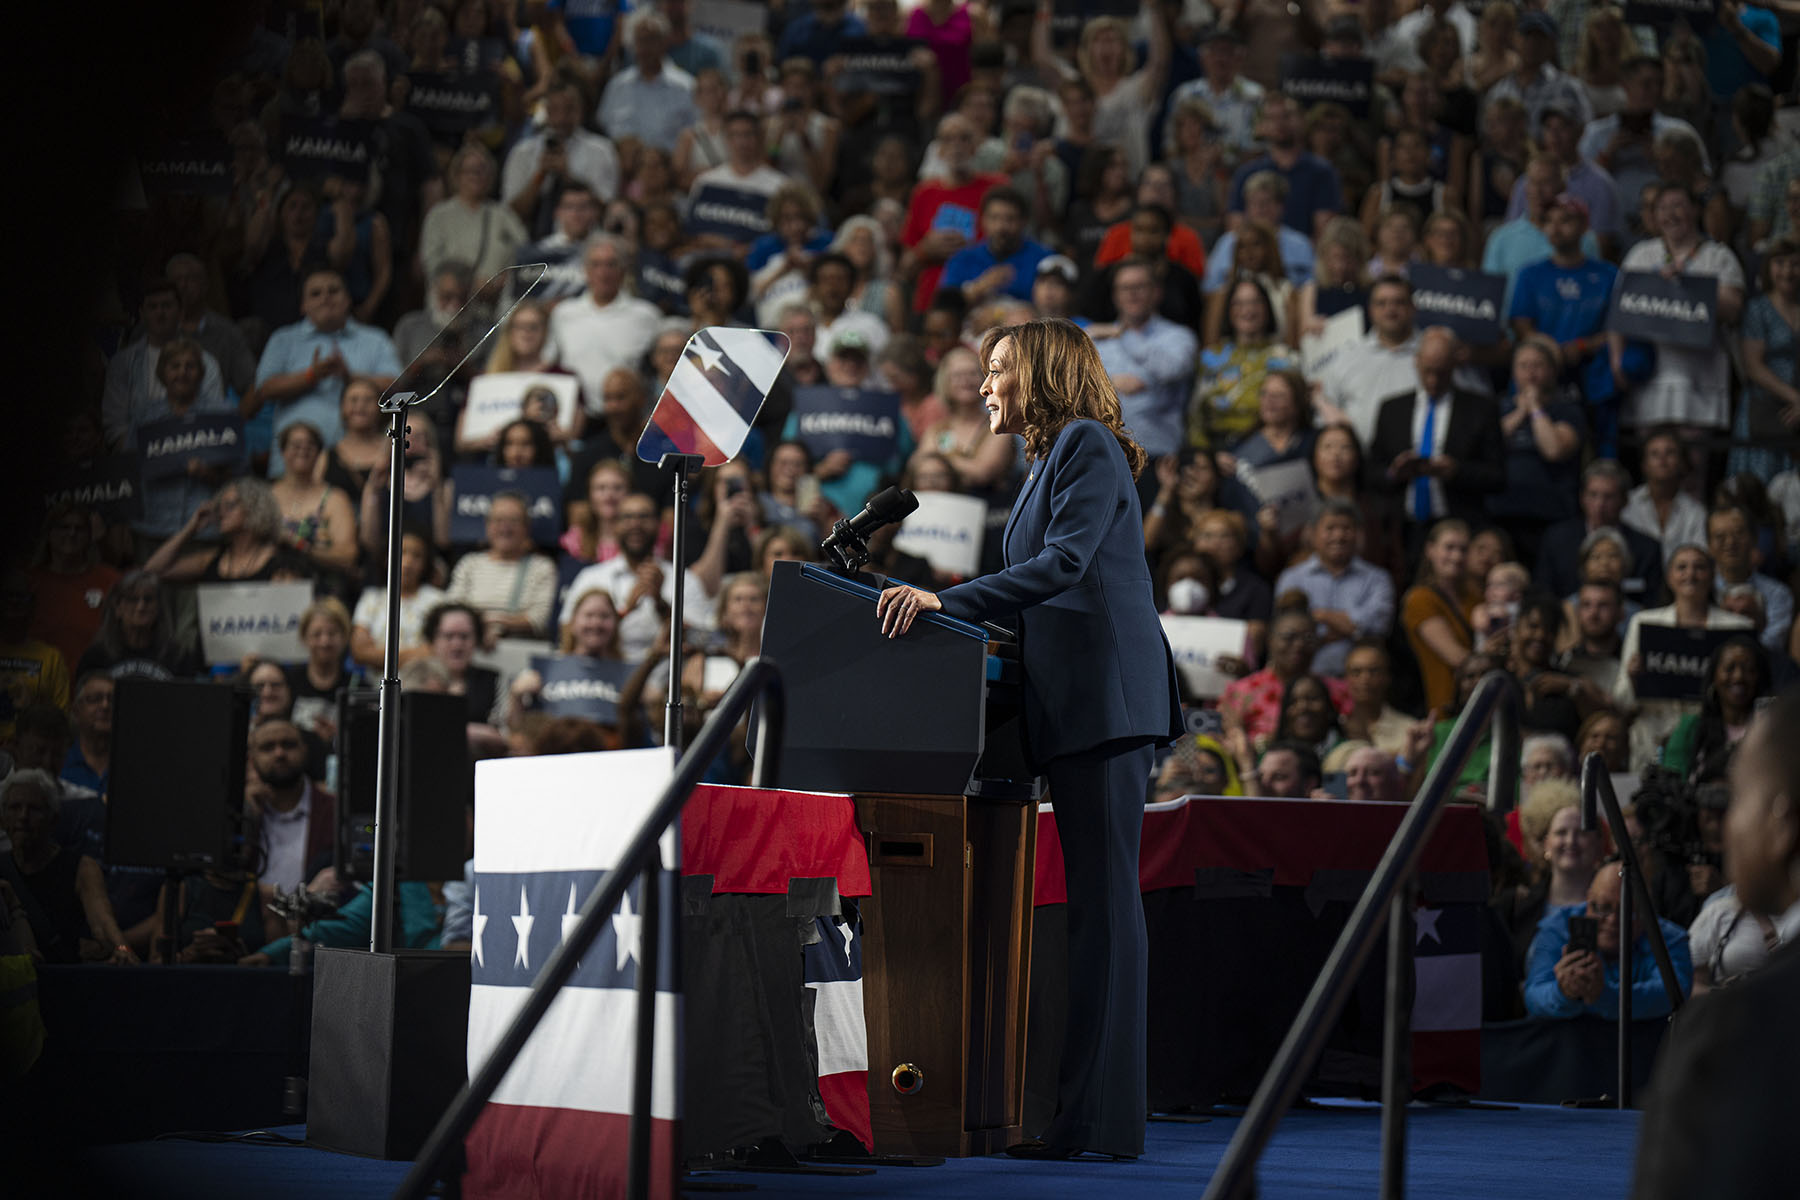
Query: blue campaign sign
x=315 y=147
x=861 y=420
x=660 y=282
x=880 y=66
x=729 y=213
x=196 y=166
x=110 y=486
x=1468 y=303
x=578 y=686
x=476 y=486
x=1313 y=80
x=452 y=104
x=1680 y=310
x=213 y=439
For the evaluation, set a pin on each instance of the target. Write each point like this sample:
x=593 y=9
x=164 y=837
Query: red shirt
x=922 y=214
x=69 y=608
x=1257 y=698
x=1183 y=247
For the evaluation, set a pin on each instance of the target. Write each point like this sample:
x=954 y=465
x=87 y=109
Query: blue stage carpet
x=1327 y=1151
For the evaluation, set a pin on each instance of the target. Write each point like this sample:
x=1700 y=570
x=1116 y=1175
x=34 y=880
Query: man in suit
x=1437 y=450
x=1604 y=487
x=1718 y=1121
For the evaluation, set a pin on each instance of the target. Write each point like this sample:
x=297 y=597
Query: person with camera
x=1573 y=967
x=540 y=167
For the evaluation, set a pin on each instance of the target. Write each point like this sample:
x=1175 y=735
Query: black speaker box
x=176 y=797
x=437 y=785
x=390 y=1039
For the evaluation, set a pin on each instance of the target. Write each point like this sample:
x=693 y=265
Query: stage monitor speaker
x=437 y=784
x=390 y=1036
x=176 y=796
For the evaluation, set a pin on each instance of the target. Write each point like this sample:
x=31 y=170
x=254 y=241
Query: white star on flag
x=522 y=923
x=849 y=935
x=571 y=918
x=626 y=930
x=477 y=924
x=1426 y=920
x=709 y=356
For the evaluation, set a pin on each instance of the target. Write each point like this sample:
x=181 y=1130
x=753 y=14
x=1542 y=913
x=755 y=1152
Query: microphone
x=846 y=543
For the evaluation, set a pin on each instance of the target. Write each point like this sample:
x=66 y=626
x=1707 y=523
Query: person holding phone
x=1573 y=967
x=1101 y=694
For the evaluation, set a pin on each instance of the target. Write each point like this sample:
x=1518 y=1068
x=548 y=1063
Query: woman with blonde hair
x=1103 y=696
x=1560 y=856
x=1126 y=94
x=1606 y=43
x=1339 y=280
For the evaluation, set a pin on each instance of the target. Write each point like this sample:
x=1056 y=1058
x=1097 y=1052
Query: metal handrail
x=1597 y=792
x=1496 y=698
x=641 y=854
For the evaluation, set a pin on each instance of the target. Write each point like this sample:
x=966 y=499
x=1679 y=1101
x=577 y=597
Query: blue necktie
x=1422 y=485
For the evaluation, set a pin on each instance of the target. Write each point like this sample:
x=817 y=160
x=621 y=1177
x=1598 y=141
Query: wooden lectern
x=924 y=731
x=946 y=970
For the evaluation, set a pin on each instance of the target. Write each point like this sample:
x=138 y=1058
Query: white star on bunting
x=571 y=918
x=477 y=924
x=522 y=923
x=626 y=931
x=1426 y=920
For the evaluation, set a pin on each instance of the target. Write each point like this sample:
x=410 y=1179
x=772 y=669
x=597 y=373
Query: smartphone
x=734 y=486
x=1584 y=934
x=806 y=493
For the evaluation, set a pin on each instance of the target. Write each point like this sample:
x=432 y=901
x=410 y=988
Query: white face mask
x=1188 y=596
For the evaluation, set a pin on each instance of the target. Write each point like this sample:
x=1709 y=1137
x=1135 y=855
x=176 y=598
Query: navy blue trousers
x=1101 y=1091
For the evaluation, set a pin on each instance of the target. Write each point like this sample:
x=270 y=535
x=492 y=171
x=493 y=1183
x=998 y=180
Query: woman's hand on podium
x=899 y=605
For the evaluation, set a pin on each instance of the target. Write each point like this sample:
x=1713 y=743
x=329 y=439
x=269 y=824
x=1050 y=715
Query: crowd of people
x=1529 y=491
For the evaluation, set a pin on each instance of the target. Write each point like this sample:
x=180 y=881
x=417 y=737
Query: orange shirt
x=1419 y=605
x=1184 y=247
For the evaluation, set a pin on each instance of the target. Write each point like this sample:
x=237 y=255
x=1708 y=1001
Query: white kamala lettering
x=189 y=441
x=842 y=422
x=1461 y=306
x=1666 y=307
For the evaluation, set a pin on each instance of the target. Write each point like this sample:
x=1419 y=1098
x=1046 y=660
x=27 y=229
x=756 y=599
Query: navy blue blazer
x=1097 y=666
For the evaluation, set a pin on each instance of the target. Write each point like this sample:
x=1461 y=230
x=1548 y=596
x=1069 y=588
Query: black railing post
x=1396 y=1042
x=643 y=1065
x=1634 y=890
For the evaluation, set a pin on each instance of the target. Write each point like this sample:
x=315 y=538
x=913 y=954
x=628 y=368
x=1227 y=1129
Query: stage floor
x=1330 y=1150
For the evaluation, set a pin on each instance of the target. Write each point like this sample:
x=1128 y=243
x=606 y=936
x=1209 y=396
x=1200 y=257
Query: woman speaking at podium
x=1100 y=694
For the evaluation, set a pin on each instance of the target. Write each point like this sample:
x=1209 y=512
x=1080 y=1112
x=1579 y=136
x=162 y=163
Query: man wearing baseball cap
x=1536 y=83
x=1565 y=297
x=1519 y=243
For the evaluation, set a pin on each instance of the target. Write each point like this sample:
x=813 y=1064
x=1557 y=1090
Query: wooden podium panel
x=946 y=970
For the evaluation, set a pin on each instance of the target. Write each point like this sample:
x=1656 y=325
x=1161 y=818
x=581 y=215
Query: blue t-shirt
x=1564 y=302
x=591 y=22
x=1312 y=185
x=968 y=264
x=1728 y=71
x=1516 y=245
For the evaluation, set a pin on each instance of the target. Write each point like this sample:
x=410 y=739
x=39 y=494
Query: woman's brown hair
x=1061 y=379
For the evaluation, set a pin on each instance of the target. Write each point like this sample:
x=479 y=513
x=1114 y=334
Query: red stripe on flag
x=672 y=418
x=524 y=1152
x=846 y=1097
x=1450 y=1056
x=754 y=840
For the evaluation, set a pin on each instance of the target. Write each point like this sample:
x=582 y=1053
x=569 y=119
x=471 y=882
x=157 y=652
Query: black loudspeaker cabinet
x=390 y=1037
x=176 y=796
x=437 y=784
